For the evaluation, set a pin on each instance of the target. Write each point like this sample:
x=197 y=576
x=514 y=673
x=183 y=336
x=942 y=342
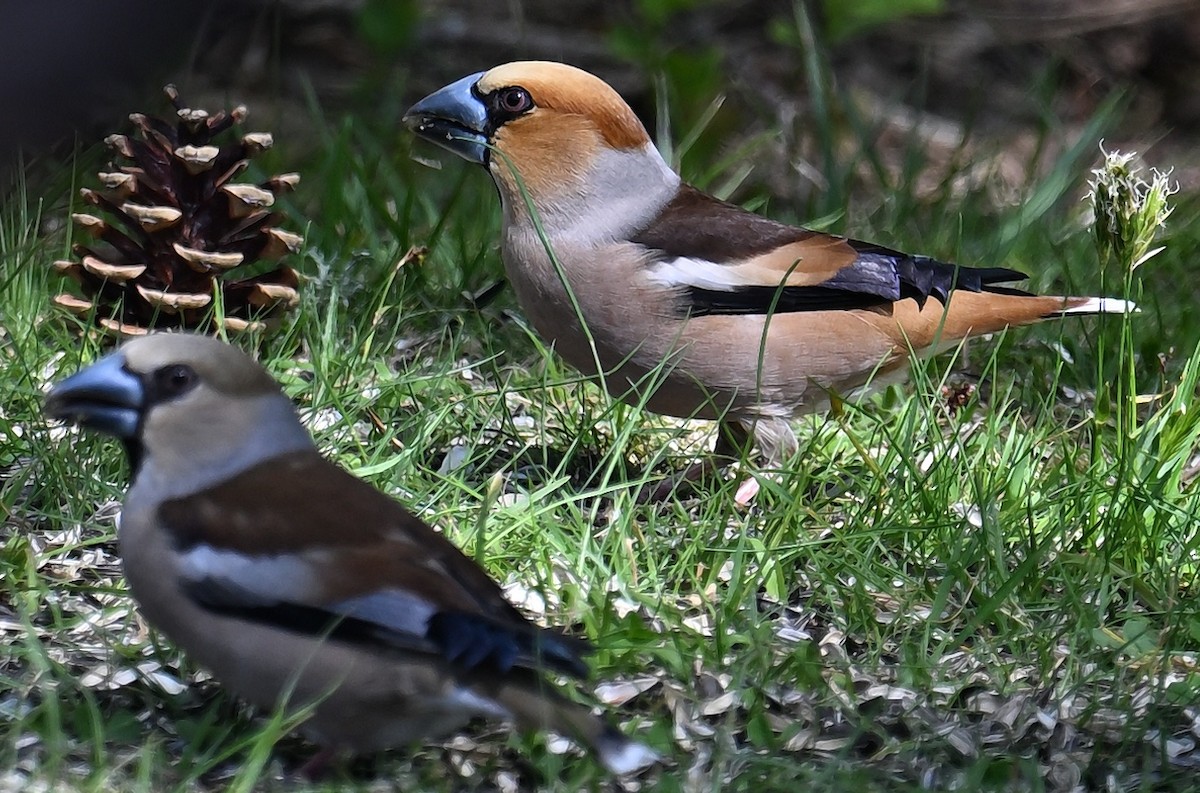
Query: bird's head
x=549 y=131
x=195 y=406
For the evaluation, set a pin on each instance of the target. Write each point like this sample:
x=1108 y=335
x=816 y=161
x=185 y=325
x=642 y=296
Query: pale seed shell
x=121 y=144
x=207 y=261
x=264 y=295
x=76 y=305
x=197 y=159
x=173 y=302
x=257 y=141
x=282 y=182
x=120 y=183
x=152 y=218
x=238 y=325
x=117 y=328
x=280 y=244
x=117 y=273
x=247 y=198
x=90 y=223
x=192 y=116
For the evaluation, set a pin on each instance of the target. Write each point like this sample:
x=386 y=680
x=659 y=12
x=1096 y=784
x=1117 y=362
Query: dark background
x=71 y=70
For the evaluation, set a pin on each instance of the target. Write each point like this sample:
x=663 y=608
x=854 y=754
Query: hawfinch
x=292 y=580
x=694 y=307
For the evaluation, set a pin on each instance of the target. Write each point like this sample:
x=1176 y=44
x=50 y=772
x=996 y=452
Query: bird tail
x=536 y=705
x=976 y=313
x=1092 y=305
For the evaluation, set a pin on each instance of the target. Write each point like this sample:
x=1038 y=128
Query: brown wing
x=302 y=504
x=743 y=263
x=300 y=543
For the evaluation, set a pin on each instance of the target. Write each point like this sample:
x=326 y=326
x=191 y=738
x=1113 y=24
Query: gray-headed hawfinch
x=693 y=306
x=289 y=578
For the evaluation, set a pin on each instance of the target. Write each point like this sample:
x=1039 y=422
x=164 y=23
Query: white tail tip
x=623 y=756
x=1103 y=305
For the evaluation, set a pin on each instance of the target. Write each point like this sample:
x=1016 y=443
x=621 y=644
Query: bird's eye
x=174 y=380
x=514 y=100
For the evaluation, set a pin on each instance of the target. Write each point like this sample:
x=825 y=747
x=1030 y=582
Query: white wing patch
x=262 y=580
x=394 y=609
x=700 y=273
x=473 y=704
x=626 y=757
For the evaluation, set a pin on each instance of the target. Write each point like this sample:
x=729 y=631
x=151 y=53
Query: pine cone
x=177 y=232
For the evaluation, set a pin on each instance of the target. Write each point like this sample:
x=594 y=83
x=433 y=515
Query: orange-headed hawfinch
x=693 y=306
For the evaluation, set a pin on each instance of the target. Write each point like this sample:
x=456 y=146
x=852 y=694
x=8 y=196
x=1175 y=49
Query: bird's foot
x=747 y=490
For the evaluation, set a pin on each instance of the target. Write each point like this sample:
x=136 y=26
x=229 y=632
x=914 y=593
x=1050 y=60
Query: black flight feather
x=877 y=277
x=468 y=641
x=694 y=225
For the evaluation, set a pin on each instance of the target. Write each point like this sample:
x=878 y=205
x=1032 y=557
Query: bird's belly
x=790 y=364
x=627 y=344
x=742 y=366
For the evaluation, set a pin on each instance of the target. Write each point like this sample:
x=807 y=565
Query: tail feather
x=621 y=755
x=975 y=313
x=1095 y=305
x=541 y=707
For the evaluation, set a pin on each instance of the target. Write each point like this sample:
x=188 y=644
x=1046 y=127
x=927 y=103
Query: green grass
x=996 y=597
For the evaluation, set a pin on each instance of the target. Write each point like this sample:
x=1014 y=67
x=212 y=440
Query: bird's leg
x=776 y=443
x=733 y=440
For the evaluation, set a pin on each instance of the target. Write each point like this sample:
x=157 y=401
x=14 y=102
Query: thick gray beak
x=454 y=118
x=106 y=396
